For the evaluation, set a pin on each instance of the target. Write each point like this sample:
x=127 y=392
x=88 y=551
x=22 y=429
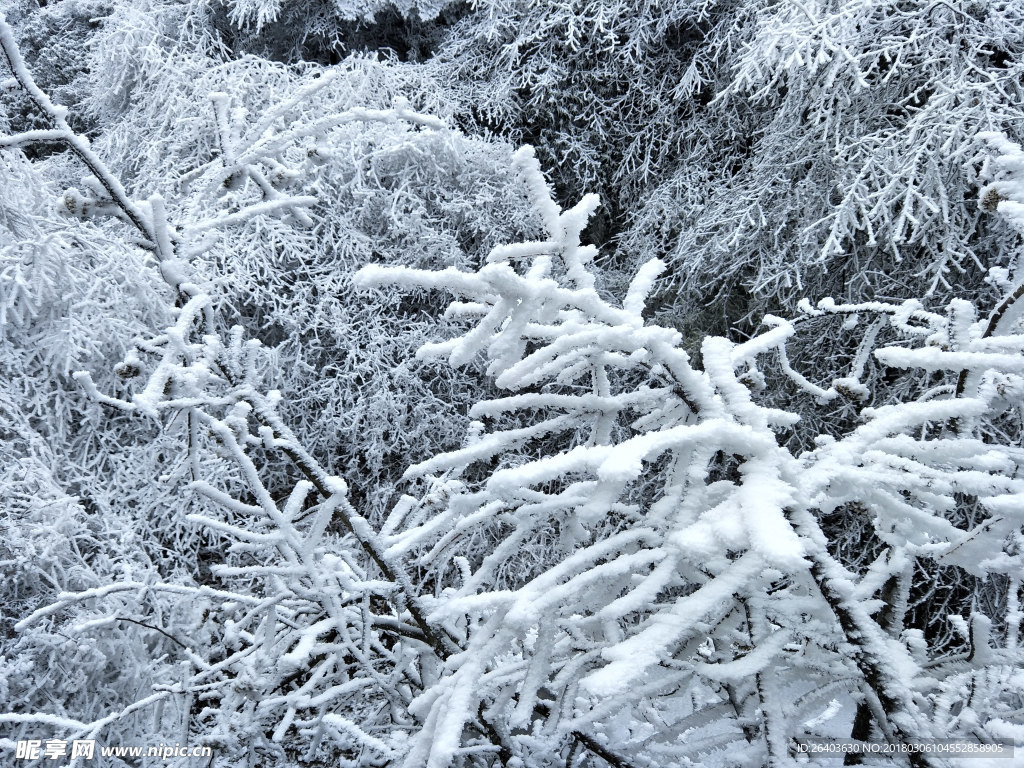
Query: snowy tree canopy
x=511 y=384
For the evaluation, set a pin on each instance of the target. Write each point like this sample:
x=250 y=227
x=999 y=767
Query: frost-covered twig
x=63 y=132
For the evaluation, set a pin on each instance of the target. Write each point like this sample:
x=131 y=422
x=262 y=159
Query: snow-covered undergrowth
x=241 y=510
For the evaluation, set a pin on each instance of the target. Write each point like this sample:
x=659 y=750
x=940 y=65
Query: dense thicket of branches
x=336 y=430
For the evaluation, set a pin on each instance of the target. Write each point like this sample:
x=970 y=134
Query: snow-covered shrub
x=765 y=151
x=254 y=131
x=608 y=92
x=631 y=558
x=328 y=30
x=415 y=193
x=838 y=158
x=79 y=504
x=54 y=38
x=680 y=597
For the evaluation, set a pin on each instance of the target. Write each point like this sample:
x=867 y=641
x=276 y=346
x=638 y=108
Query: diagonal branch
x=64 y=133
